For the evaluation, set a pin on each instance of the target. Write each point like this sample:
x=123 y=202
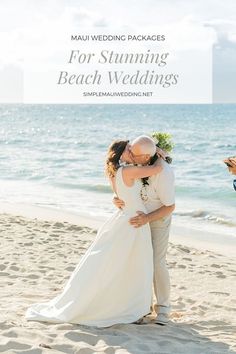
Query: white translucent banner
x=87 y=67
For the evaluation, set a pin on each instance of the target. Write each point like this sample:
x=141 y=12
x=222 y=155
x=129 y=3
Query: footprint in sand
x=184 y=249
x=63 y=348
x=54 y=235
x=171 y=264
x=11 y=334
x=220 y=275
x=58 y=224
x=204 y=308
x=215 y=265
x=33 y=276
x=190 y=301
x=218 y=293
x=85 y=337
x=74 y=228
x=28 y=244
x=4 y=326
x=70 y=269
x=14 y=268
x=232 y=271
x=14 y=345
x=180 y=304
x=182 y=266
x=194 y=308
x=46 y=225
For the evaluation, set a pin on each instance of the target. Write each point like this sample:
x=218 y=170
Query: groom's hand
x=118 y=203
x=139 y=220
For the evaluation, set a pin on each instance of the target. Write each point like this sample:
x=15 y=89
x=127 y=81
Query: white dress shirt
x=161 y=189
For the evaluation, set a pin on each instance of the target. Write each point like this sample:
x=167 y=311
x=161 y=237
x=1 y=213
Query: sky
x=22 y=23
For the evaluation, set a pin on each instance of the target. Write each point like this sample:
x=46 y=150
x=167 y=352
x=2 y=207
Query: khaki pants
x=160 y=230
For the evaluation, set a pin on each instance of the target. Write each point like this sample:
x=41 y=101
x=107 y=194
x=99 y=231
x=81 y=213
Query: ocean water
x=53 y=156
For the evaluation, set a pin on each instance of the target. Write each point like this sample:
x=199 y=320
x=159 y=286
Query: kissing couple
x=114 y=280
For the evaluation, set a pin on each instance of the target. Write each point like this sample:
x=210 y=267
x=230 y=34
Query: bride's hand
x=161 y=153
x=118 y=202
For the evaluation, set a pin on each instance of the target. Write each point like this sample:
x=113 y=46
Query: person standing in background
x=231 y=163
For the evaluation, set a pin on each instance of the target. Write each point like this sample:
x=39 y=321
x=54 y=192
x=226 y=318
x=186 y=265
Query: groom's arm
x=163 y=211
x=142 y=218
x=166 y=193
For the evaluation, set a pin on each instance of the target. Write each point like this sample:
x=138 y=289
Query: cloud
x=225 y=30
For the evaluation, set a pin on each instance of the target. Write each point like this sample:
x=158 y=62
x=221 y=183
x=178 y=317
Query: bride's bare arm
x=135 y=172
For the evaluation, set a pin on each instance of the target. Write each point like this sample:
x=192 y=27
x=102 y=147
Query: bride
x=112 y=282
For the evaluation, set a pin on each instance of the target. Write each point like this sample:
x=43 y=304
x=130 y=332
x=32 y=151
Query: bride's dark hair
x=114 y=153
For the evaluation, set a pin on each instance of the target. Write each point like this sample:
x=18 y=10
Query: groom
x=159 y=200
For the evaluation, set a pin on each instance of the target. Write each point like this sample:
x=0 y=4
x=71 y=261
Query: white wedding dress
x=112 y=282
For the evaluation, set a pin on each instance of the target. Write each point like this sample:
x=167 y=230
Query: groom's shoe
x=139 y=321
x=143 y=320
x=162 y=319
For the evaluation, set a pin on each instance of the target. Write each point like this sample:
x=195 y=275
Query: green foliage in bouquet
x=163 y=141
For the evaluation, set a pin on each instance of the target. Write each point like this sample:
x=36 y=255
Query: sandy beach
x=37 y=258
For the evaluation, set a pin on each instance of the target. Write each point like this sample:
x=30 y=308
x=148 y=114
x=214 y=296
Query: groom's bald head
x=142 y=148
x=145 y=144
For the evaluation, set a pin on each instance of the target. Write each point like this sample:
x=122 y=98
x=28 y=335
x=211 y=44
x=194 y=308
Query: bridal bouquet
x=163 y=141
